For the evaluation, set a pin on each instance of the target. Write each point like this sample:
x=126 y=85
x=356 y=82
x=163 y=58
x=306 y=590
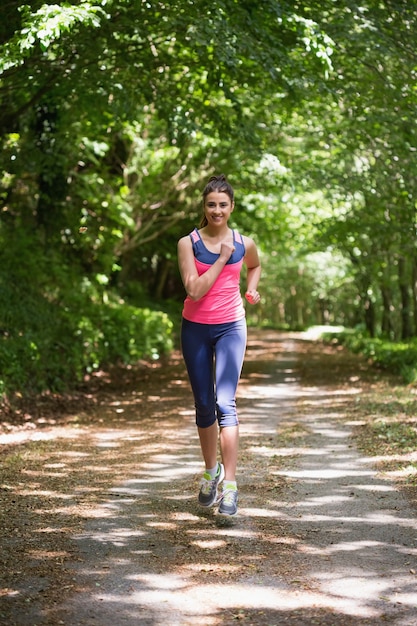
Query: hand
x=226 y=250
x=252 y=296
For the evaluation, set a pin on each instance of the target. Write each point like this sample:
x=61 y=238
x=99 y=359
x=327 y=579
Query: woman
x=213 y=334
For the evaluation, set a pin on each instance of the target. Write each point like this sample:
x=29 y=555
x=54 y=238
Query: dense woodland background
x=113 y=115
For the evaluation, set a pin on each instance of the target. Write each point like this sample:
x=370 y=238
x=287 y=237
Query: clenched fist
x=252 y=296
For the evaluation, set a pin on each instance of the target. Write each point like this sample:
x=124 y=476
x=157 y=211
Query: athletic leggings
x=213 y=354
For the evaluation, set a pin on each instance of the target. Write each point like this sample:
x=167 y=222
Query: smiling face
x=218 y=208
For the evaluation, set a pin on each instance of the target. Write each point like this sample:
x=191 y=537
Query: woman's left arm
x=253 y=265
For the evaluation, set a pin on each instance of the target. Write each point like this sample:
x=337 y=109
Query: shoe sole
x=227 y=514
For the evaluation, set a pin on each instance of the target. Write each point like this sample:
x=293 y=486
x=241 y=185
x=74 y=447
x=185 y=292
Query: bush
x=47 y=344
x=123 y=333
x=396 y=357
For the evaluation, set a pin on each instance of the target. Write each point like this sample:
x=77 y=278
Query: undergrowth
x=396 y=357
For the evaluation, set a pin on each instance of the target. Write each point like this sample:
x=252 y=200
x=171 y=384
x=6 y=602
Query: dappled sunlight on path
x=336 y=546
x=359 y=536
x=320 y=538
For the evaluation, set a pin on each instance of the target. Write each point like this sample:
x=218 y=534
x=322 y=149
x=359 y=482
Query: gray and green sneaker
x=208 y=487
x=228 y=502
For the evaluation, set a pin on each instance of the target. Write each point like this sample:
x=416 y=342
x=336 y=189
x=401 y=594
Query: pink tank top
x=223 y=301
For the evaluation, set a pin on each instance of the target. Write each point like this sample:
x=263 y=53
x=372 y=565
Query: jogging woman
x=213 y=334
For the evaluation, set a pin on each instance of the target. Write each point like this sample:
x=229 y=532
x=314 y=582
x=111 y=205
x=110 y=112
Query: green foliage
x=398 y=436
x=113 y=115
x=117 y=332
x=51 y=346
x=392 y=434
x=397 y=357
x=56 y=326
x=46 y=26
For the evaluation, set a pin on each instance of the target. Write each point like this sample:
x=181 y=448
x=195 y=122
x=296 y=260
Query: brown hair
x=218 y=184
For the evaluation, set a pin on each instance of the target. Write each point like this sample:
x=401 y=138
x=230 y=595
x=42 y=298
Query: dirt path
x=320 y=539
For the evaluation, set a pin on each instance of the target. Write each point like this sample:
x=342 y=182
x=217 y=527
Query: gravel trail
x=321 y=538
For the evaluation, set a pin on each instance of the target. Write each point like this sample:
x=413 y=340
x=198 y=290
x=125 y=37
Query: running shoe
x=208 y=487
x=228 y=502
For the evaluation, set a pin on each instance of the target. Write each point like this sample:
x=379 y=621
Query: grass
x=388 y=431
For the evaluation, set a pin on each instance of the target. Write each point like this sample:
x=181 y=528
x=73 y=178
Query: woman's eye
x=223 y=205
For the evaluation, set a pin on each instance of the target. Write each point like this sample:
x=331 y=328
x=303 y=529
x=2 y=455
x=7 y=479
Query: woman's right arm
x=197 y=286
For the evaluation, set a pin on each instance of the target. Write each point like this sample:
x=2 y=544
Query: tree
x=87 y=92
x=360 y=140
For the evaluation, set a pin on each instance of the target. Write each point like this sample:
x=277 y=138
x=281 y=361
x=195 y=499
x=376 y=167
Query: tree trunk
x=369 y=310
x=162 y=274
x=406 y=331
x=414 y=292
x=386 y=322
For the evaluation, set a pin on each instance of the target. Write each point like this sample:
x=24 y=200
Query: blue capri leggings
x=213 y=354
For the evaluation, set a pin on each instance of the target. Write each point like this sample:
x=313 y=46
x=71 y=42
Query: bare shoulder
x=184 y=242
x=249 y=242
x=251 y=253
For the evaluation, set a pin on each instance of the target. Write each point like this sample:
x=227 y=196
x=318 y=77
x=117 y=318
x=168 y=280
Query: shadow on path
x=320 y=538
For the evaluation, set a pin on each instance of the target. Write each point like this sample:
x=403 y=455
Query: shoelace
x=207 y=484
x=228 y=496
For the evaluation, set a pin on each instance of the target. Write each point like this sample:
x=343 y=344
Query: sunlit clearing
x=48 y=494
x=163 y=525
x=49 y=529
x=290 y=541
x=9 y=593
x=321 y=401
x=374 y=488
x=271 y=391
x=323 y=500
x=227 y=532
x=111 y=436
x=343 y=546
x=363 y=586
x=210 y=599
x=323 y=474
x=268 y=452
x=89 y=513
x=405 y=598
x=115 y=536
x=252 y=512
x=409 y=470
x=209 y=545
x=185 y=517
x=315 y=332
x=44 y=435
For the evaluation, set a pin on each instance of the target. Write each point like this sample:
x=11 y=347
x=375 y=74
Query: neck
x=222 y=231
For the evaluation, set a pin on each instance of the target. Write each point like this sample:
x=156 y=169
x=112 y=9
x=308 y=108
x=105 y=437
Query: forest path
x=321 y=538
